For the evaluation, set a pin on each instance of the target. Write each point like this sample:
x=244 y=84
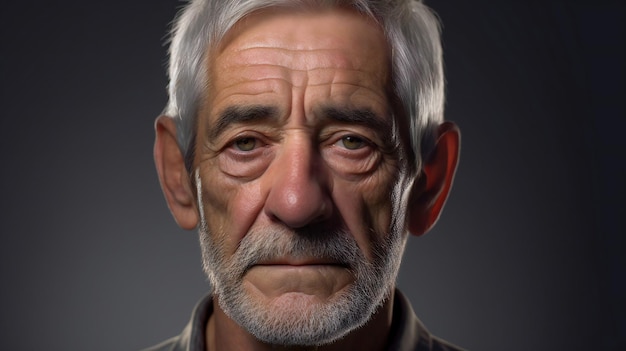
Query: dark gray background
x=528 y=255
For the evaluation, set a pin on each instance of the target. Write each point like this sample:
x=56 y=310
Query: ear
x=430 y=191
x=173 y=175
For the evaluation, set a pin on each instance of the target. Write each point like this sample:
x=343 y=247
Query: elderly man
x=305 y=139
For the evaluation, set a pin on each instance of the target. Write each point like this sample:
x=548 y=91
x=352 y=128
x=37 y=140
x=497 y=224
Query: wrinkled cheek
x=379 y=199
x=245 y=209
x=214 y=198
x=360 y=219
x=380 y=203
x=381 y=214
x=230 y=208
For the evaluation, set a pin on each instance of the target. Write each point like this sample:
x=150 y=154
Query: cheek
x=366 y=207
x=230 y=207
x=380 y=200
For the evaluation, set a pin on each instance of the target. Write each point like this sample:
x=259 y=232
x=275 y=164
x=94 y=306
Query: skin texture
x=279 y=146
x=299 y=171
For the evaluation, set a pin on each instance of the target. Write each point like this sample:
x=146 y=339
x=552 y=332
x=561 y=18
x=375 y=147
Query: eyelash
x=254 y=140
x=339 y=140
x=363 y=142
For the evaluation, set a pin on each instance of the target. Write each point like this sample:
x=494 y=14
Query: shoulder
x=192 y=337
x=409 y=334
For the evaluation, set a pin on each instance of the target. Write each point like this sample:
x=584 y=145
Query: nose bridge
x=299 y=193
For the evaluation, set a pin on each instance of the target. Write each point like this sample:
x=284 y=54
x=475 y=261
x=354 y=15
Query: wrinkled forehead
x=339 y=55
x=311 y=28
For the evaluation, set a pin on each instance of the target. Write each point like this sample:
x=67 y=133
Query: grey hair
x=411 y=28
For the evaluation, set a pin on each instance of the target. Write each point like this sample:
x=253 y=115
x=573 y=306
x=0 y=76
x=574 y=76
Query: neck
x=223 y=334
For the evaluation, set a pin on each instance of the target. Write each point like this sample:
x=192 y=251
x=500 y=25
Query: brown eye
x=352 y=142
x=245 y=144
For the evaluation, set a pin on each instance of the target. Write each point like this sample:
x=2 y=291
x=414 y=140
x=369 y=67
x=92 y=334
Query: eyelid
x=231 y=154
x=229 y=138
x=334 y=136
x=365 y=142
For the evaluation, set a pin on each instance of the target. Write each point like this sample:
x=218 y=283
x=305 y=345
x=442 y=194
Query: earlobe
x=173 y=175
x=431 y=189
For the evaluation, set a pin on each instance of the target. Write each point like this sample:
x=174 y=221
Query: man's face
x=298 y=175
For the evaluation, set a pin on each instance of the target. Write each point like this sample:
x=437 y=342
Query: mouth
x=296 y=265
x=320 y=278
x=302 y=261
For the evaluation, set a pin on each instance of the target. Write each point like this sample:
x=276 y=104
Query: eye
x=245 y=144
x=352 y=142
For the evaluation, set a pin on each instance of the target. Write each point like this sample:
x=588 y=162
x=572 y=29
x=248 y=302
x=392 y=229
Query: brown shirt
x=407 y=332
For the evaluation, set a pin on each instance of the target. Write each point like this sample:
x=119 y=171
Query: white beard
x=300 y=322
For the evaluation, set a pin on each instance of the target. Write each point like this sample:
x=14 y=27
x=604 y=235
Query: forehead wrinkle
x=304 y=60
x=308 y=84
x=323 y=75
x=312 y=78
x=265 y=59
x=244 y=67
x=350 y=95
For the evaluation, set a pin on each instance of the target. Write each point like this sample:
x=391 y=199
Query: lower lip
x=314 y=279
x=296 y=269
x=286 y=265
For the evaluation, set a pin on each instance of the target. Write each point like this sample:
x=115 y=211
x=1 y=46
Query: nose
x=299 y=192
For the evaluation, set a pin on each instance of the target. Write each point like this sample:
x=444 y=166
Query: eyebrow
x=241 y=114
x=244 y=114
x=362 y=116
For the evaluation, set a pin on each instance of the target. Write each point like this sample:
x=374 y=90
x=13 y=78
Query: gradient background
x=528 y=255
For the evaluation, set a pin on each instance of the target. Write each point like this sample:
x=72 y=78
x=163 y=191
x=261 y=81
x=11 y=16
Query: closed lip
x=301 y=262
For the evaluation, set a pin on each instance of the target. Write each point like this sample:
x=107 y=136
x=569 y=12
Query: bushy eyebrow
x=363 y=116
x=244 y=114
x=240 y=114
